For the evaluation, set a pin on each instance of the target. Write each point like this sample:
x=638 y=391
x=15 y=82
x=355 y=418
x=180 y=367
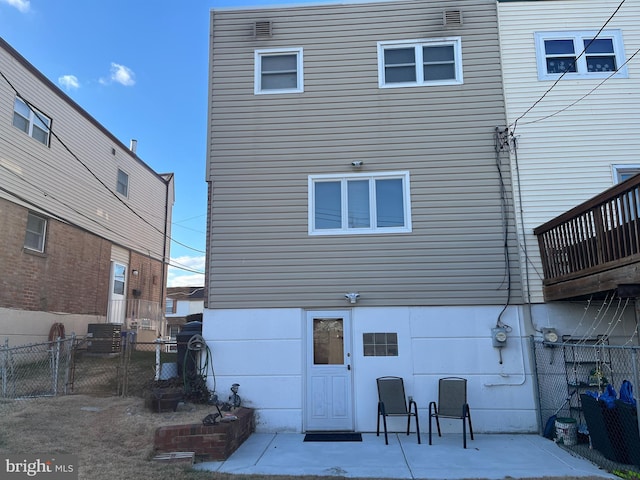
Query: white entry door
x=117 y=295
x=329 y=404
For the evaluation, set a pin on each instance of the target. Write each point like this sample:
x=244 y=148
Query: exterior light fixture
x=352 y=297
x=134 y=273
x=357 y=163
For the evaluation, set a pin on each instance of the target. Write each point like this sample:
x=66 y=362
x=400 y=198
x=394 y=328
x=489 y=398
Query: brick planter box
x=210 y=442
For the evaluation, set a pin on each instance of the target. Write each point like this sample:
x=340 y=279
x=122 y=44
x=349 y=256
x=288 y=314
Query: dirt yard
x=112 y=437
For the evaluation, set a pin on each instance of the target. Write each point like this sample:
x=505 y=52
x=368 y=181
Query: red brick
x=213 y=442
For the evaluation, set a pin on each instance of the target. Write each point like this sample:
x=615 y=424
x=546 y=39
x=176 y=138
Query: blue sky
x=140 y=69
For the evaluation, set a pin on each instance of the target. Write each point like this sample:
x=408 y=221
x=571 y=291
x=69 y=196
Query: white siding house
x=572 y=136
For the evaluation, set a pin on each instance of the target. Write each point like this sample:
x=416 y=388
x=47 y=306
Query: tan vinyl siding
x=64 y=179
x=569 y=141
x=262 y=148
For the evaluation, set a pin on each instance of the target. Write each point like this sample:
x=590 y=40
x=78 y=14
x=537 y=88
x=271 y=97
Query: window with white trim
x=31 y=121
x=624 y=172
x=629 y=209
x=410 y=63
x=170 y=306
x=35 y=235
x=580 y=54
x=278 y=71
x=359 y=203
x=122 y=184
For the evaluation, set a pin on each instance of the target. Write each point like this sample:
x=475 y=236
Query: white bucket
x=567 y=431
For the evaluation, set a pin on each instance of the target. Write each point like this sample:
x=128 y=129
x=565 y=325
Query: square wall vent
x=452 y=18
x=262 y=29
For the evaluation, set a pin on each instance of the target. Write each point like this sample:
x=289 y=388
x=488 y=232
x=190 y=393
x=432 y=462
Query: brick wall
x=72 y=275
x=150 y=278
x=213 y=442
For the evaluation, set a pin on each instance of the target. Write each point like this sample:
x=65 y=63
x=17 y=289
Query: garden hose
x=197 y=343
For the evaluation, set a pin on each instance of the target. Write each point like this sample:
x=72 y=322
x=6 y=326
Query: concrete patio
x=487 y=457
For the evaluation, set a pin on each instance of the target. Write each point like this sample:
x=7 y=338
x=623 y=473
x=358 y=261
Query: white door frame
x=117 y=309
x=328 y=395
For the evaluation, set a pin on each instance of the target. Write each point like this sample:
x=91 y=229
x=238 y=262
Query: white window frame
x=41 y=235
x=418 y=45
x=34 y=115
x=345 y=230
x=620 y=169
x=118 y=183
x=170 y=308
x=633 y=196
x=578 y=37
x=260 y=54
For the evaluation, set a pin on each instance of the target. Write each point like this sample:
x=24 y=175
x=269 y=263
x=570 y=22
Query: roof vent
x=452 y=18
x=262 y=29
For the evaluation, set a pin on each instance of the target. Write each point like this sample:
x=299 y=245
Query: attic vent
x=262 y=29
x=452 y=18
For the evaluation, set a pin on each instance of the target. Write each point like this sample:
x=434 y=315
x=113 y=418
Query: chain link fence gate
x=35 y=370
x=580 y=382
x=68 y=366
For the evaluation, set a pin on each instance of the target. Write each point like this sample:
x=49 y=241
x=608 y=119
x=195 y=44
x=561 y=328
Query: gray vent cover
x=262 y=29
x=452 y=18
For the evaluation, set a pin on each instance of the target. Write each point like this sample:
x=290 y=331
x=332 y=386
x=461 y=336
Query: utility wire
x=515 y=123
x=54 y=134
x=584 y=96
x=158 y=256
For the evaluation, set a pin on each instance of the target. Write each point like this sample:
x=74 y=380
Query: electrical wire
x=584 y=96
x=498 y=147
x=515 y=123
x=88 y=169
x=56 y=216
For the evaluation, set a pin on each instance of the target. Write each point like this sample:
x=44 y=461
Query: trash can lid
x=192 y=326
x=565 y=420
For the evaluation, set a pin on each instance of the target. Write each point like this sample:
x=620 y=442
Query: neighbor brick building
x=85 y=222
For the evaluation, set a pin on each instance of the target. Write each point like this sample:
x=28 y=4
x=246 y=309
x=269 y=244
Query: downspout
x=165 y=262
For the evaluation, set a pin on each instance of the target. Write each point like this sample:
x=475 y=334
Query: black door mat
x=333 y=437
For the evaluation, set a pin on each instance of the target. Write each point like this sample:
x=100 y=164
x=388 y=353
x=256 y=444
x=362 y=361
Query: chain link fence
x=586 y=400
x=82 y=365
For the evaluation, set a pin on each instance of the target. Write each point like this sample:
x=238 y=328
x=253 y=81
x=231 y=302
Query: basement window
x=380 y=344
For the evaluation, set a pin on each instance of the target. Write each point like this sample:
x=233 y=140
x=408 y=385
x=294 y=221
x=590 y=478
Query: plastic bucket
x=567 y=431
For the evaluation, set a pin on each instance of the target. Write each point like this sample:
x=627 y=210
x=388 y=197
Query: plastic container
x=186 y=359
x=567 y=431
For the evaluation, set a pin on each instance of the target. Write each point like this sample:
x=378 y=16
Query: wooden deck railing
x=600 y=234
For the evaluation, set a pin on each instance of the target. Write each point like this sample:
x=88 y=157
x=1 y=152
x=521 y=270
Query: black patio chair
x=452 y=403
x=392 y=402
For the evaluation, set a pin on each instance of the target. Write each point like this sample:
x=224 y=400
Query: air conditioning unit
x=104 y=337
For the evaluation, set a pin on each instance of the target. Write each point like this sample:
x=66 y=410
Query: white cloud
x=186 y=278
x=120 y=74
x=69 y=82
x=23 y=5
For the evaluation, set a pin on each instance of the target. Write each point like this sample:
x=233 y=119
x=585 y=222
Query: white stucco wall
x=264 y=351
x=21 y=327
